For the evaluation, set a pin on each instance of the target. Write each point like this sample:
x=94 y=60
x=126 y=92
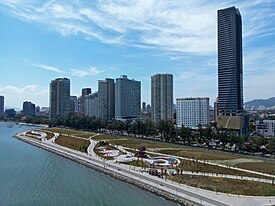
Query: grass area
x=136 y=143
x=136 y=163
x=265 y=167
x=201 y=167
x=175 y=150
x=77 y=133
x=107 y=137
x=73 y=143
x=239 y=187
x=198 y=154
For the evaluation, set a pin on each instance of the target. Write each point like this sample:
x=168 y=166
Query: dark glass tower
x=230 y=66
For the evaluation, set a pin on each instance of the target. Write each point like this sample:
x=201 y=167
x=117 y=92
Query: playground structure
x=152 y=162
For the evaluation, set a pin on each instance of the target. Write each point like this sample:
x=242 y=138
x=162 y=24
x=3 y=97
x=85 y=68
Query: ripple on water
x=32 y=176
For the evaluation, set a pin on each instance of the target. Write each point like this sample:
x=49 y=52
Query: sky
x=87 y=41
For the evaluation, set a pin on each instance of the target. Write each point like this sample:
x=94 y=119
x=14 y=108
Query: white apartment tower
x=192 y=112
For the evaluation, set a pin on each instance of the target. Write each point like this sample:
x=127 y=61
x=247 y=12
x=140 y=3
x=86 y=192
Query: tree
x=185 y=133
x=271 y=144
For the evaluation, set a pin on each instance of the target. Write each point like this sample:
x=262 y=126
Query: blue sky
x=91 y=40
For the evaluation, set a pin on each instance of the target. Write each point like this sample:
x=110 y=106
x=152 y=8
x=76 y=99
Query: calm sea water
x=32 y=176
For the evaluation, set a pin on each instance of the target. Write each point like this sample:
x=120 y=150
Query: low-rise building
x=266 y=127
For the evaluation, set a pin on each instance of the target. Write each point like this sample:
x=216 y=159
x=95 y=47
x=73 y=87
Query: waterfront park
x=198 y=169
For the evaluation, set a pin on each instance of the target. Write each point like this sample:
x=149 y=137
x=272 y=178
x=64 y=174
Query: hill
x=258 y=102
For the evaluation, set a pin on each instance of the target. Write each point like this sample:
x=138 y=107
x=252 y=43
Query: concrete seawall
x=112 y=173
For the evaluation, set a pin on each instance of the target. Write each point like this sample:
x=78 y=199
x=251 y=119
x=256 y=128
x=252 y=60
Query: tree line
x=164 y=130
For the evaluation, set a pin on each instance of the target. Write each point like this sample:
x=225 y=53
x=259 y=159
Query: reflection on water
x=32 y=176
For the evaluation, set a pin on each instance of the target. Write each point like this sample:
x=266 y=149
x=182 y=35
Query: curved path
x=199 y=196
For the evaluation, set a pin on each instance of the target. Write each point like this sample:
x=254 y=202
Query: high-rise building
x=10 y=113
x=37 y=110
x=2 y=104
x=59 y=98
x=28 y=108
x=85 y=91
x=106 y=99
x=192 y=112
x=73 y=104
x=161 y=97
x=230 y=65
x=127 y=98
x=92 y=109
x=143 y=106
x=230 y=69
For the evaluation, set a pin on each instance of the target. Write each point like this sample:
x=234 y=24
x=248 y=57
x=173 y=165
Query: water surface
x=33 y=176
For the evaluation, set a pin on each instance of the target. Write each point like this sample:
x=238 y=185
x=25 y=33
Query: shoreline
x=169 y=190
x=112 y=173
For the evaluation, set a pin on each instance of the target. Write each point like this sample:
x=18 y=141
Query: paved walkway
x=200 y=196
x=209 y=163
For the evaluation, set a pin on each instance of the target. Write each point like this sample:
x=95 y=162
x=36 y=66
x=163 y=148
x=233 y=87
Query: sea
x=32 y=176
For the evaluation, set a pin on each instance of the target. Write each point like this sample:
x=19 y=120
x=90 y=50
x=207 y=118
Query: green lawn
x=106 y=137
x=265 y=167
x=198 y=154
x=136 y=143
x=201 y=167
x=137 y=163
x=232 y=186
x=77 y=133
x=73 y=143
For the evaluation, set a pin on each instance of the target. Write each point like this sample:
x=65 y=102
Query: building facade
x=2 y=106
x=85 y=91
x=230 y=64
x=127 y=98
x=266 y=128
x=73 y=104
x=106 y=99
x=92 y=109
x=192 y=112
x=161 y=97
x=10 y=113
x=59 y=98
x=230 y=71
x=28 y=109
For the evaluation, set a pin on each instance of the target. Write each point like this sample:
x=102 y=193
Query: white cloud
x=15 y=96
x=174 y=25
x=92 y=71
x=174 y=28
x=48 y=68
x=18 y=90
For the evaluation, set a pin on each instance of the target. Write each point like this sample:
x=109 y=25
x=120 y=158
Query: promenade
x=173 y=190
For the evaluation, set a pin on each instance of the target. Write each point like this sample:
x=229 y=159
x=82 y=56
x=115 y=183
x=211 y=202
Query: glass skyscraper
x=230 y=114
x=230 y=64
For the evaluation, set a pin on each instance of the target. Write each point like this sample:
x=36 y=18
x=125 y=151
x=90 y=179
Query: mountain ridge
x=259 y=102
